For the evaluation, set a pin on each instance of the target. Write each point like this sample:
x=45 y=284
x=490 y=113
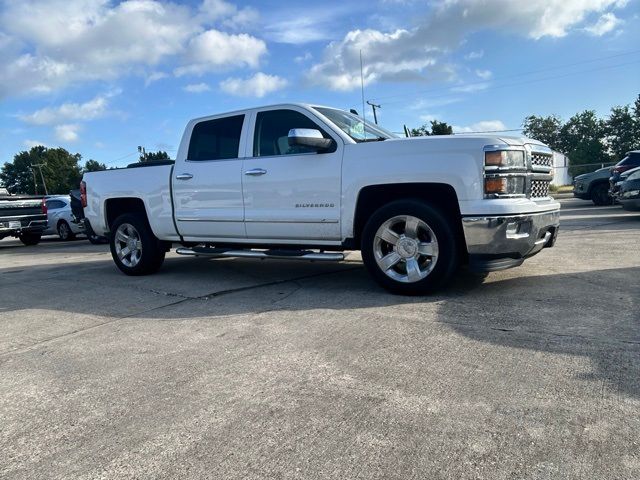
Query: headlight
x=505 y=185
x=505 y=158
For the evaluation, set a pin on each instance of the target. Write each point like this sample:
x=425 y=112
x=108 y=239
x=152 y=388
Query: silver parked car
x=61 y=220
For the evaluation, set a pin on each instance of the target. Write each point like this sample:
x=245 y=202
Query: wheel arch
x=597 y=183
x=439 y=195
x=114 y=207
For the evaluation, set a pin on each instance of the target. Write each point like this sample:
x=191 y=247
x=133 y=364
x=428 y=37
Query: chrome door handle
x=184 y=176
x=255 y=171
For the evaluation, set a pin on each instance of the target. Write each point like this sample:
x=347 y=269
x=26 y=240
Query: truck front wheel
x=409 y=247
x=134 y=247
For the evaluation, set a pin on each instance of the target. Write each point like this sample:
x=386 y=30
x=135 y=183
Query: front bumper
x=580 y=191
x=499 y=242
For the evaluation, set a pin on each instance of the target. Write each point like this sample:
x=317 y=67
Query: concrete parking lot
x=249 y=369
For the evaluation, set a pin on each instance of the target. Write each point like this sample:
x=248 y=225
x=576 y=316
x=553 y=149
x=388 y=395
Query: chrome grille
x=539 y=188
x=539 y=159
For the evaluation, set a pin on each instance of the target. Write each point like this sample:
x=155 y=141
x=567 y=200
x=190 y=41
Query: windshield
x=631 y=159
x=353 y=125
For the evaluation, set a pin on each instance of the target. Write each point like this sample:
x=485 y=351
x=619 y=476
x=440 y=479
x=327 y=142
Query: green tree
x=58 y=167
x=582 y=141
x=544 y=129
x=436 y=128
x=621 y=132
x=636 y=121
x=154 y=156
x=93 y=166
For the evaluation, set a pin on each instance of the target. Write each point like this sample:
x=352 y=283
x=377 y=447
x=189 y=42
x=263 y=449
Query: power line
x=483 y=82
x=121 y=158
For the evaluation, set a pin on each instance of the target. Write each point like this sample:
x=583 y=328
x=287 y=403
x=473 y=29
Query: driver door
x=291 y=192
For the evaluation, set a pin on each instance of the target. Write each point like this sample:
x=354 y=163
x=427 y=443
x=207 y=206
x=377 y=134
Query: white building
x=561 y=170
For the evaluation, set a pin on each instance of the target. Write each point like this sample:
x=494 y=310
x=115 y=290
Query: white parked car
x=300 y=181
x=61 y=220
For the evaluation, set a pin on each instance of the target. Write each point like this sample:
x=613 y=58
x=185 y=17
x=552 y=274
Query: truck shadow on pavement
x=591 y=314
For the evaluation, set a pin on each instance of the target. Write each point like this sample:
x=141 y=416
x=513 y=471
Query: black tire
x=64 y=231
x=600 y=194
x=447 y=255
x=96 y=239
x=30 y=238
x=152 y=250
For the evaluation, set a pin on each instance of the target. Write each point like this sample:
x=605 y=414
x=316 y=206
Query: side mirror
x=309 y=137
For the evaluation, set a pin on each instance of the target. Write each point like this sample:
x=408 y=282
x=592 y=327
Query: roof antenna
x=364 y=114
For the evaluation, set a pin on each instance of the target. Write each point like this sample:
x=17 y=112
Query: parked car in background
x=22 y=216
x=61 y=220
x=629 y=190
x=593 y=186
x=630 y=161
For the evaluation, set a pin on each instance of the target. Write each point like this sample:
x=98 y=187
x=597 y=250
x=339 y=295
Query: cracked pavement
x=251 y=369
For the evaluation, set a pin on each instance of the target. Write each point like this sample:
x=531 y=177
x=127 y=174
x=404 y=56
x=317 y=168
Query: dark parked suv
x=593 y=186
x=631 y=160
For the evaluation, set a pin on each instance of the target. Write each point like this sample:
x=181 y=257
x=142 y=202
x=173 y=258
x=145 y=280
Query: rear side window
x=55 y=204
x=217 y=139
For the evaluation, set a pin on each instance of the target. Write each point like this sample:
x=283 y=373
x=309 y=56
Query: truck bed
x=151 y=184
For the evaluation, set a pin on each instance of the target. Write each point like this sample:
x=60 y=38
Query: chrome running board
x=262 y=254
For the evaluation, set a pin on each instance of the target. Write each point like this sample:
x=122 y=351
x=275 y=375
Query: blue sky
x=101 y=77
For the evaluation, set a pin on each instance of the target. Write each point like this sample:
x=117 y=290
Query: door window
x=272 y=133
x=217 y=139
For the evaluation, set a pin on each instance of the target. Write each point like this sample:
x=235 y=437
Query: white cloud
x=89 y=110
x=474 y=55
x=259 y=85
x=483 y=126
x=213 y=51
x=484 y=74
x=605 y=24
x=154 y=77
x=419 y=53
x=67 y=132
x=422 y=104
x=33 y=143
x=471 y=87
x=303 y=58
x=48 y=45
x=197 y=88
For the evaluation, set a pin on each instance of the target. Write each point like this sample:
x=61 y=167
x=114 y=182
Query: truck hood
x=486 y=139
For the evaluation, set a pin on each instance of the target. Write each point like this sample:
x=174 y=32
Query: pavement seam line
x=182 y=300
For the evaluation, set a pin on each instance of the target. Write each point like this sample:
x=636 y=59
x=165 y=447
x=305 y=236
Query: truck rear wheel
x=134 y=247
x=409 y=248
x=30 y=238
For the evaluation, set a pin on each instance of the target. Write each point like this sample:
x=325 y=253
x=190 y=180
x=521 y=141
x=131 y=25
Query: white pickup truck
x=299 y=181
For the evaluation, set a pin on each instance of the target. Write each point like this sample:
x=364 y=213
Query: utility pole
x=35 y=181
x=143 y=152
x=373 y=107
x=40 y=165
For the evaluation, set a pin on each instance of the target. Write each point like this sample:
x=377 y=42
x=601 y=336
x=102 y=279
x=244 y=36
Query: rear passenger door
x=207 y=185
x=291 y=193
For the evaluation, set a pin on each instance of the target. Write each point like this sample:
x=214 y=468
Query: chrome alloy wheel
x=128 y=245
x=405 y=249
